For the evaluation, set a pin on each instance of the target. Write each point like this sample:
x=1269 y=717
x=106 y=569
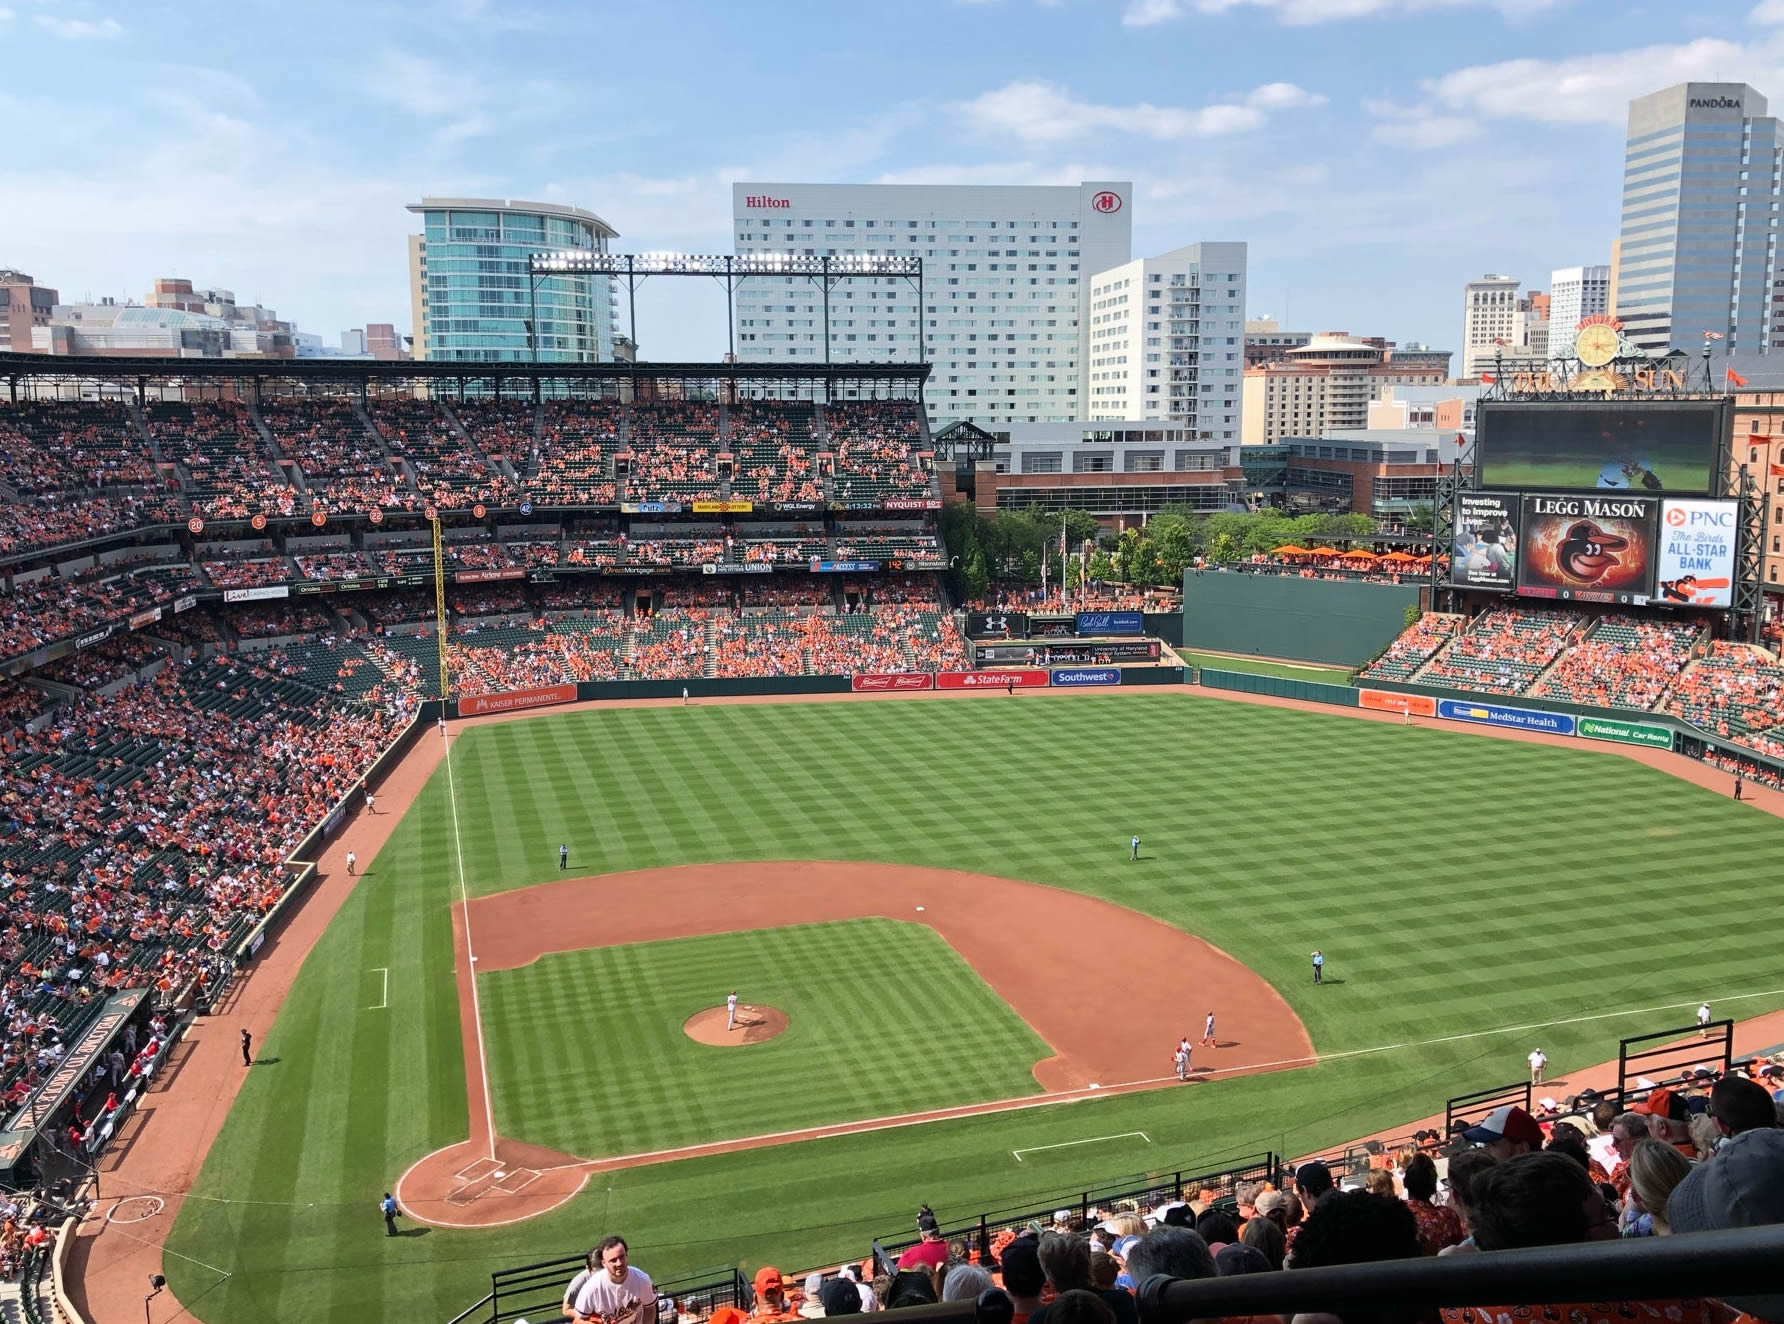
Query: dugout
x=1338 y=622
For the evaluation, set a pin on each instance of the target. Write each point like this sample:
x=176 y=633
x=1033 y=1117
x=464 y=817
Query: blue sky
x=1375 y=153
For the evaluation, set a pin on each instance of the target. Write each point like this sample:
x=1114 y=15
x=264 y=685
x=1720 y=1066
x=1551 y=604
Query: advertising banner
x=992 y=680
x=650 y=507
x=844 y=567
x=1486 y=550
x=1387 y=701
x=1627 y=733
x=1071 y=676
x=911 y=503
x=1110 y=622
x=1694 y=562
x=1588 y=548
x=474 y=704
x=143 y=618
x=723 y=507
x=257 y=594
x=485 y=576
x=885 y=681
x=186 y=603
x=747 y=568
x=92 y=637
x=996 y=625
x=1493 y=714
x=1649 y=446
x=797 y=507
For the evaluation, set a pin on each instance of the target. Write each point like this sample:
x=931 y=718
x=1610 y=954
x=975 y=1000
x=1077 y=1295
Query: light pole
x=156 y=1283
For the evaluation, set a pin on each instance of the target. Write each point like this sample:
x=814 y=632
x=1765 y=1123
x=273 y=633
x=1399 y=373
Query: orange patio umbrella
x=1358 y=553
x=1325 y=551
x=1290 y=550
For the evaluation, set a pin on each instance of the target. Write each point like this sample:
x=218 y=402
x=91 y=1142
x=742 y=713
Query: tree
x=1423 y=518
x=975 y=578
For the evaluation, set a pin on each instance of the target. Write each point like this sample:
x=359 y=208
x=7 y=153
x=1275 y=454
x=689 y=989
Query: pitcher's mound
x=755 y=1025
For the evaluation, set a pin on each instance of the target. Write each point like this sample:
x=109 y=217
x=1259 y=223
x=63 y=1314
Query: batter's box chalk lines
x=1067 y=1144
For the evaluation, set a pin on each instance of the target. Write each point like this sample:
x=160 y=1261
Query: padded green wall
x=1341 y=622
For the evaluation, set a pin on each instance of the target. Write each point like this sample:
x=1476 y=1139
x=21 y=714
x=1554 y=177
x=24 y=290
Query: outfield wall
x=1339 y=622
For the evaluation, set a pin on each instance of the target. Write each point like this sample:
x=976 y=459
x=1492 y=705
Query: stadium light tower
x=729 y=270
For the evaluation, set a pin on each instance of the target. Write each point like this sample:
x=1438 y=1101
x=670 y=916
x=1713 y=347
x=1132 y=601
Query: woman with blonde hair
x=1654 y=1169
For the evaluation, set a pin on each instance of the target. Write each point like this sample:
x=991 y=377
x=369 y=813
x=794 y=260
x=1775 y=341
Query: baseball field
x=938 y=898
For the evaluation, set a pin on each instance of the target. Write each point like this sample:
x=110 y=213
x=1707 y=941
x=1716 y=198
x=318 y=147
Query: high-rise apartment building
x=1574 y=293
x=471 y=295
x=1004 y=274
x=1167 y=340
x=1703 y=175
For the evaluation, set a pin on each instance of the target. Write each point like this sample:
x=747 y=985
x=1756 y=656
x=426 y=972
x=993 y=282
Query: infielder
x=1208 y=1032
x=1180 y=1059
x=731 y=1011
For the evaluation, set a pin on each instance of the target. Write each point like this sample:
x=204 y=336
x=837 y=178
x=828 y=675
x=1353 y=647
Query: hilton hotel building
x=1005 y=270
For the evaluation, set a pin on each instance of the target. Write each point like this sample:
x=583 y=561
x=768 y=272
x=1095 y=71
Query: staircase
x=396 y=462
x=463 y=433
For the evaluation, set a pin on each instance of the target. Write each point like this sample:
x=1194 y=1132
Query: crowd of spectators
x=448 y=468
x=94 y=668
x=504 y=599
x=343 y=467
x=502 y=429
x=578 y=595
x=41 y=611
x=1733 y=690
x=672 y=448
x=69 y=446
x=1622 y=663
x=347 y=563
x=230 y=475
x=1504 y=650
x=571 y=465
x=875 y=443
x=810 y=594
x=253 y=573
x=1402 y=658
x=269 y=620
x=146 y=831
x=773 y=452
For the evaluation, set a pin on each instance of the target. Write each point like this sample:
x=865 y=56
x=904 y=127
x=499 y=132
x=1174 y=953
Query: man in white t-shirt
x=616 y=1293
x=1703 y=1020
x=1538 y=1060
x=731 y=1011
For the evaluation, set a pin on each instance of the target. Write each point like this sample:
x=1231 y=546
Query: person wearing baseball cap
x=771 y=1297
x=1742 y=1186
x=1506 y=1132
x=1669 y=1119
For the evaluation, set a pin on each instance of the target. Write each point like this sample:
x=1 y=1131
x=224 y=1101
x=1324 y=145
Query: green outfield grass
x=1456 y=884
x=830 y=979
x=1262 y=666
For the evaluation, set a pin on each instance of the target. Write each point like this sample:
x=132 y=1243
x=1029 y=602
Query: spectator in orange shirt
x=771 y=1297
x=1669 y=1119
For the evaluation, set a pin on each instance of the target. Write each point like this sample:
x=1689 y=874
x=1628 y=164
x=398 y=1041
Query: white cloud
x=1768 y=12
x=5 y=14
x=79 y=29
x=1420 y=126
x=1044 y=112
x=1596 y=89
x=1144 y=13
x=419 y=85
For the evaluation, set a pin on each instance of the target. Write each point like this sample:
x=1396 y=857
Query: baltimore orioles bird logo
x=1588 y=553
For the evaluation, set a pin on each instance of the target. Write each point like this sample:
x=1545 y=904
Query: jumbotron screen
x=1588 y=548
x=1647 y=447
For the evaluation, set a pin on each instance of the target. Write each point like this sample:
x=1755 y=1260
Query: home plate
x=919 y=907
x=497 y=1176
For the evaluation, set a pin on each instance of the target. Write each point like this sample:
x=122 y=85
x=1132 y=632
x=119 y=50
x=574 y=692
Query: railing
x=537 y=1290
x=1469 y=1109
x=1676 y=1050
x=1724 y=1265
x=1145 y=1191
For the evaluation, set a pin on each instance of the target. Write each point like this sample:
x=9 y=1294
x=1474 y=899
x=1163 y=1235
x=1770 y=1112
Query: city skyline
x=1367 y=200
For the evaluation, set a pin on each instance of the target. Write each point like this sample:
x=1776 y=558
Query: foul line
x=464 y=905
x=1067 y=1144
x=384 y=997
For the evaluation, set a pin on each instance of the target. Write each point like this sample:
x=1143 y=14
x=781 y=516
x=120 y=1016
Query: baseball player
x=1319 y=967
x=247 y=1049
x=1134 y=848
x=371 y=801
x=1180 y=1059
x=1208 y=1032
x=1703 y=1020
x=564 y=856
x=731 y=1011
x=352 y=860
